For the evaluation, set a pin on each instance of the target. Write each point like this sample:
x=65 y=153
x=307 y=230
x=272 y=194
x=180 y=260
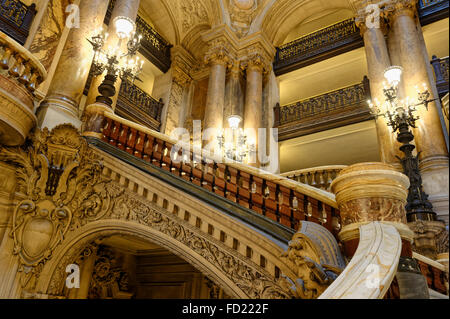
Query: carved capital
x=218 y=53
x=397 y=8
x=258 y=62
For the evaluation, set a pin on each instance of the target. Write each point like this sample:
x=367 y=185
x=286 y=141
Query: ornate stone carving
x=242 y=13
x=108 y=278
x=56 y=177
x=192 y=13
x=218 y=52
x=254 y=281
x=315 y=258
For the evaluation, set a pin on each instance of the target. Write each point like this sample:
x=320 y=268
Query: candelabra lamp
x=234 y=146
x=400 y=117
x=127 y=65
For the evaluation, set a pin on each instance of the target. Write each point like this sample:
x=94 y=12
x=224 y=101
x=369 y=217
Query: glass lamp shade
x=124 y=27
x=234 y=121
x=393 y=75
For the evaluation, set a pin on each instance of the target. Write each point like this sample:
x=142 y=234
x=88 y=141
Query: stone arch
x=53 y=274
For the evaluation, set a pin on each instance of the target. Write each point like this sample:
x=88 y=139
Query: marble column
x=368 y=192
x=66 y=89
x=410 y=51
x=215 y=98
x=125 y=8
x=253 y=105
x=377 y=61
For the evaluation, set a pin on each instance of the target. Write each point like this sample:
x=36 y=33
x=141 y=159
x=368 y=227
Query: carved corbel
x=314 y=263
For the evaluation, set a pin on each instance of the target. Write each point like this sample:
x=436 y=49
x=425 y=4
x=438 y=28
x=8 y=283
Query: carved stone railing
x=138 y=106
x=332 y=109
x=16 y=18
x=320 y=177
x=153 y=46
x=20 y=75
x=320 y=45
x=277 y=198
x=441 y=70
x=379 y=247
x=339 y=38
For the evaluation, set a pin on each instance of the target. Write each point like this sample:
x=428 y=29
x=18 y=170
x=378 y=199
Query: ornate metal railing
x=340 y=38
x=138 y=106
x=432 y=10
x=153 y=46
x=320 y=177
x=279 y=199
x=441 y=70
x=320 y=45
x=333 y=109
x=16 y=18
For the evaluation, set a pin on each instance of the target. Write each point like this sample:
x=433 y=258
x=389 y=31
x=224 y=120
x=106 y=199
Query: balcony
x=330 y=110
x=15 y=19
x=339 y=38
x=136 y=105
x=441 y=66
x=20 y=75
x=318 y=46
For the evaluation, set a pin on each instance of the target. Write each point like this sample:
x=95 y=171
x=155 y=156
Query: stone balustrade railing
x=441 y=70
x=20 y=75
x=20 y=64
x=280 y=199
x=320 y=177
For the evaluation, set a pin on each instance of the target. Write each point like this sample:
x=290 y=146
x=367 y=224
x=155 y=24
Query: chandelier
x=400 y=116
x=234 y=146
x=127 y=65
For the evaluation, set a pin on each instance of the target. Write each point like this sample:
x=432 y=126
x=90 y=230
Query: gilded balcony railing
x=138 y=106
x=333 y=109
x=16 y=18
x=317 y=46
x=320 y=177
x=441 y=70
x=277 y=198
